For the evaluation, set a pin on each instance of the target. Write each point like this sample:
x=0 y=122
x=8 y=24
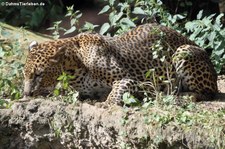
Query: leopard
x=112 y=66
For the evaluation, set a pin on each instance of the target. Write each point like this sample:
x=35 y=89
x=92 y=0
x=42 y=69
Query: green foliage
x=130 y=100
x=207 y=32
x=64 y=79
x=154 y=86
x=74 y=19
x=10 y=69
x=165 y=117
x=74 y=22
x=63 y=88
x=32 y=17
x=188 y=118
x=5 y=104
x=56 y=29
x=124 y=15
x=61 y=124
x=56 y=129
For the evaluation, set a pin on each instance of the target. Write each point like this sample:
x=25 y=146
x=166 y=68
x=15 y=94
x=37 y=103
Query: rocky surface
x=46 y=124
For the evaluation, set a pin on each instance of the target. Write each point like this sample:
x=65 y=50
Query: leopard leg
x=119 y=88
x=196 y=74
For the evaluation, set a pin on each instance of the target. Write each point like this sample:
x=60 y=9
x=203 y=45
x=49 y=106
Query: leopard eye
x=38 y=75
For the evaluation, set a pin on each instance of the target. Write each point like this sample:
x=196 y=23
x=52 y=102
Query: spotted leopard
x=115 y=65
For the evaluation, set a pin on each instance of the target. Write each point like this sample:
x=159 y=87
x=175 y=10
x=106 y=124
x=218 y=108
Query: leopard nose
x=27 y=94
x=27 y=88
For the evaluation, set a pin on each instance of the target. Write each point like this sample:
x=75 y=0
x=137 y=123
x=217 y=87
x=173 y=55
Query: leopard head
x=46 y=61
x=42 y=68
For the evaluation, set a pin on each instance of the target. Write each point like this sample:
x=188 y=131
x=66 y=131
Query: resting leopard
x=115 y=65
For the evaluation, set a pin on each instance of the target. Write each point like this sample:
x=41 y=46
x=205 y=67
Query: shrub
x=208 y=33
x=10 y=69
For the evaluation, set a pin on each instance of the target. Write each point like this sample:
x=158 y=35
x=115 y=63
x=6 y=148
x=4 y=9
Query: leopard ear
x=59 y=54
x=32 y=45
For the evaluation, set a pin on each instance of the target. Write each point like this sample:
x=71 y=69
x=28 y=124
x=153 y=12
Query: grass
x=192 y=124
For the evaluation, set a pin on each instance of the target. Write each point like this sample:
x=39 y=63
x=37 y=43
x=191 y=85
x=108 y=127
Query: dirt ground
x=221 y=87
x=37 y=123
x=221 y=83
x=219 y=102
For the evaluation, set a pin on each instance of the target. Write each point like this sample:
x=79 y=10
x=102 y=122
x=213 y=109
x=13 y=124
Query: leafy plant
x=130 y=100
x=64 y=79
x=156 y=81
x=10 y=69
x=56 y=28
x=31 y=17
x=74 y=19
x=125 y=15
x=56 y=128
x=63 y=88
x=190 y=119
x=207 y=32
x=74 y=22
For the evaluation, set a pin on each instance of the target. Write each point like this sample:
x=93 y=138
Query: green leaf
x=123 y=6
x=56 y=92
x=115 y=17
x=71 y=77
x=182 y=4
x=138 y=10
x=65 y=85
x=73 y=21
x=189 y=26
x=60 y=78
x=51 y=28
x=218 y=19
x=104 y=9
x=37 y=17
x=89 y=26
x=118 y=16
x=111 y=17
x=212 y=36
x=104 y=28
x=2 y=53
x=126 y=95
x=128 y=99
x=72 y=29
x=219 y=51
x=148 y=73
x=78 y=16
x=111 y=2
x=75 y=97
x=199 y=16
x=128 y=22
x=179 y=17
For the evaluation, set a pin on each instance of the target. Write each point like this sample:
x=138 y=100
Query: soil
x=221 y=83
x=46 y=124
